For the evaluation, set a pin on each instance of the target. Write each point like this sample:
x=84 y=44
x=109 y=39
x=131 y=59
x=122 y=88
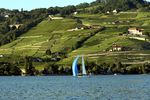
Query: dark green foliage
x=123 y=4
x=29 y=69
x=113 y=68
x=65 y=11
x=48 y=52
x=147 y=33
x=82 y=5
x=51 y=69
x=146 y=67
x=9 y=69
x=100 y=6
x=27 y=19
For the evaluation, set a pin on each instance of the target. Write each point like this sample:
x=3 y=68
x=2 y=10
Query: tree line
x=52 y=68
x=102 y=6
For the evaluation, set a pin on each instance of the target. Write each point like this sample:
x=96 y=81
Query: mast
x=83 y=66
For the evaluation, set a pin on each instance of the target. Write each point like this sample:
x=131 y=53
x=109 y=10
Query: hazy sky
x=32 y=4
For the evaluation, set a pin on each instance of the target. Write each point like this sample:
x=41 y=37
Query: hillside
x=55 y=35
x=112 y=38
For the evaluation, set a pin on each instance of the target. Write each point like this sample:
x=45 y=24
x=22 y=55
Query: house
x=115 y=11
x=116 y=48
x=78 y=28
x=23 y=72
x=108 y=12
x=6 y=16
x=53 y=18
x=74 y=29
x=17 y=26
x=75 y=13
x=1 y=56
x=135 y=31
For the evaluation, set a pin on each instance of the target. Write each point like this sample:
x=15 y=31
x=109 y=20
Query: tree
x=82 y=5
x=48 y=52
x=9 y=69
x=146 y=33
x=29 y=69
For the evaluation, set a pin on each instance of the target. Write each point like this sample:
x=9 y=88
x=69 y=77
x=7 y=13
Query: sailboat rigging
x=75 y=67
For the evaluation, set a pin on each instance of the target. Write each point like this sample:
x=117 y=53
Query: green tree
x=48 y=52
x=29 y=69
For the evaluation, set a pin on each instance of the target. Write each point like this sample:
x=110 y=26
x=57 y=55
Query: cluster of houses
x=132 y=31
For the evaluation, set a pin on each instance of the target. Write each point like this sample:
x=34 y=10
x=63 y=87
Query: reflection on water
x=70 y=88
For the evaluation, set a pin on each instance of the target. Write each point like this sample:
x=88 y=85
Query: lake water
x=128 y=87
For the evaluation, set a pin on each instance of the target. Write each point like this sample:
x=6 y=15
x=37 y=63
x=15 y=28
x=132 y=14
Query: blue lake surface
x=120 y=87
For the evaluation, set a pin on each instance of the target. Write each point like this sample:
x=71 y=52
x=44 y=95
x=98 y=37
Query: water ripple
x=69 y=88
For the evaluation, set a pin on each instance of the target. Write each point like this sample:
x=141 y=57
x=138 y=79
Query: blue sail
x=83 y=67
x=74 y=66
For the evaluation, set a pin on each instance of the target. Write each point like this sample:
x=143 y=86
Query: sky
x=32 y=4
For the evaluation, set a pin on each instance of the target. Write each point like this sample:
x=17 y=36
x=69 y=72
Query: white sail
x=83 y=66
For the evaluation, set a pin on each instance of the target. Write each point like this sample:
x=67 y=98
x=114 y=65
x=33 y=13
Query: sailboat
x=75 y=67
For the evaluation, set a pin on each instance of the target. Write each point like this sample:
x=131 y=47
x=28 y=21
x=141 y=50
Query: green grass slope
x=38 y=38
x=53 y=35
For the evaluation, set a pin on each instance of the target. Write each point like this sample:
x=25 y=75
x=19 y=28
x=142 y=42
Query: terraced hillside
x=38 y=38
x=115 y=24
x=54 y=35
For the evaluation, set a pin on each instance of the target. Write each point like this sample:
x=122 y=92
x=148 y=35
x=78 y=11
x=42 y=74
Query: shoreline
x=72 y=75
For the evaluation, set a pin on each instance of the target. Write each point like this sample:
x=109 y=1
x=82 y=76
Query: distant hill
x=102 y=6
x=124 y=4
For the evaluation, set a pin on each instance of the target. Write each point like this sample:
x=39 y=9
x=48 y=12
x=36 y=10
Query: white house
x=1 y=56
x=52 y=17
x=6 y=16
x=75 y=13
x=135 y=31
x=76 y=29
x=107 y=12
x=115 y=11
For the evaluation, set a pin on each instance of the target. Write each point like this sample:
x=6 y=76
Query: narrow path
x=137 y=62
x=131 y=53
x=31 y=36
